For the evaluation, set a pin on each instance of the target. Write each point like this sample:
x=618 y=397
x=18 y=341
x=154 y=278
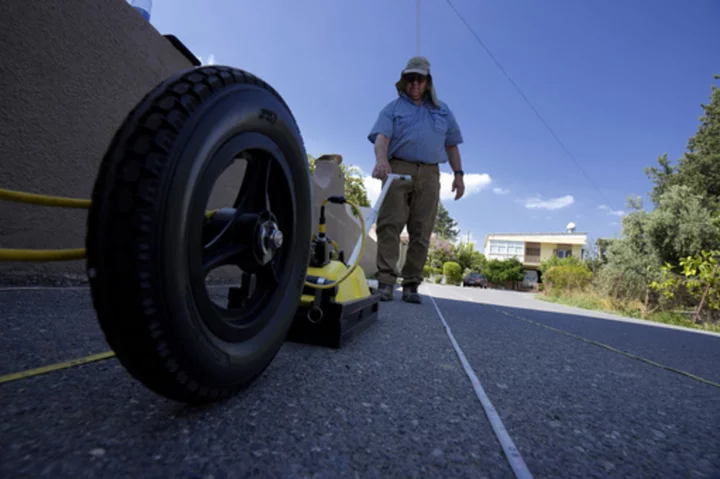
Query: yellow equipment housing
x=337 y=302
x=354 y=287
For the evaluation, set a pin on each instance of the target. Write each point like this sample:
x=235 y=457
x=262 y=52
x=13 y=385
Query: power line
x=532 y=107
x=418 y=8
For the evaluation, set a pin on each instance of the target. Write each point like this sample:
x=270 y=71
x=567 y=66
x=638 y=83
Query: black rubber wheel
x=147 y=235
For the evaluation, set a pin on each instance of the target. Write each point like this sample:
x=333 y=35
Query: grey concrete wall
x=70 y=72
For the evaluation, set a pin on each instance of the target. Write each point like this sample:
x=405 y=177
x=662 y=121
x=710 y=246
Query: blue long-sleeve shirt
x=417 y=133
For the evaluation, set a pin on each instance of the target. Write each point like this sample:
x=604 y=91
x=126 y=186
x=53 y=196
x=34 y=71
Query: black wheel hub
x=252 y=235
x=261 y=234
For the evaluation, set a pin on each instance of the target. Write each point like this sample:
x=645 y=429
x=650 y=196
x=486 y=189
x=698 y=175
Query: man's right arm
x=381 y=147
x=383 y=126
x=380 y=136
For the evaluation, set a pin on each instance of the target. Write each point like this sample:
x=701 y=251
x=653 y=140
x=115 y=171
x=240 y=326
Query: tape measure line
x=512 y=453
x=599 y=344
x=55 y=367
x=615 y=350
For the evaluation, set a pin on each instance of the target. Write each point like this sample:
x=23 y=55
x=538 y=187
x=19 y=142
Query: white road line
x=511 y=452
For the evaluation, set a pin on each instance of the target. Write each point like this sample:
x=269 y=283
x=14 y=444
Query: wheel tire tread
x=127 y=186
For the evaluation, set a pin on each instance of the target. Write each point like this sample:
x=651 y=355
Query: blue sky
x=620 y=82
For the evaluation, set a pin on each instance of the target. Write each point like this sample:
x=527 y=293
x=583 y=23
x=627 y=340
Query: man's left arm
x=452 y=140
x=453 y=153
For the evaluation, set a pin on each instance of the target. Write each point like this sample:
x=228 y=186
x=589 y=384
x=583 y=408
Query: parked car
x=475 y=279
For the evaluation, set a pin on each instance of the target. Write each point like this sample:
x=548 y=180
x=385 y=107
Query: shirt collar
x=426 y=99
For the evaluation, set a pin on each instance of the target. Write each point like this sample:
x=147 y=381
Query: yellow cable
x=54 y=367
x=41 y=254
x=610 y=348
x=7 y=254
x=357 y=262
x=45 y=200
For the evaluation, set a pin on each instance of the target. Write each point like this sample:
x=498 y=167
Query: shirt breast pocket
x=440 y=121
x=403 y=121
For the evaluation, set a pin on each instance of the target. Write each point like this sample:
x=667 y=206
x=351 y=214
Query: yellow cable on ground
x=41 y=254
x=54 y=367
x=360 y=255
x=45 y=200
x=595 y=343
x=610 y=348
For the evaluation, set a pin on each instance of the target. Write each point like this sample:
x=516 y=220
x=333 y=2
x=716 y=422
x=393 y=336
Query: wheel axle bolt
x=276 y=239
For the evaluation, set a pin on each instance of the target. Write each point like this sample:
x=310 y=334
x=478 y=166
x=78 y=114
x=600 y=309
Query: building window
x=506 y=249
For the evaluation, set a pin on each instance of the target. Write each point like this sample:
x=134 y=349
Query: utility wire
x=507 y=75
x=417 y=13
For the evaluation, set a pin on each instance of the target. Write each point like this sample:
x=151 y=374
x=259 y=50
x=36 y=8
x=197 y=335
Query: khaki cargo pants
x=412 y=204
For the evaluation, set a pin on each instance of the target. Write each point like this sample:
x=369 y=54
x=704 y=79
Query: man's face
x=416 y=85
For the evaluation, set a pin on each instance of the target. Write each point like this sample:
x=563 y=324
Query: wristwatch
x=460 y=172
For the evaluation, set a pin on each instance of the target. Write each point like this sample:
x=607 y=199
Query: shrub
x=559 y=279
x=452 y=272
x=555 y=261
x=429 y=271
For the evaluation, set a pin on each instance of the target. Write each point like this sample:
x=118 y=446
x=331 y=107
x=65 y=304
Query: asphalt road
x=394 y=403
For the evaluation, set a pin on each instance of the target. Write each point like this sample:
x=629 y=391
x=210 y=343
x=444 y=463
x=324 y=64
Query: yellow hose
x=357 y=262
x=44 y=200
x=47 y=254
x=79 y=253
x=41 y=254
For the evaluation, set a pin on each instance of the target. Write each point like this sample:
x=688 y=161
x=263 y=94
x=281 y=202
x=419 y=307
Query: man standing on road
x=413 y=135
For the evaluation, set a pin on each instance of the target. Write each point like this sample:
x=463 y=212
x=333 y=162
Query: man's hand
x=381 y=170
x=458 y=187
x=382 y=165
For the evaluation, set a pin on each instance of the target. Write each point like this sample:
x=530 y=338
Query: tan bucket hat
x=419 y=65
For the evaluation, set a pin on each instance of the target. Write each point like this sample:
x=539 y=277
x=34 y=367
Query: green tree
x=445 y=225
x=681 y=225
x=602 y=246
x=439 y=253
x=631 y=260
x=500 y=271
x=700 y=278
x=311 y=163
x=593 y=255
x=699 y=167
x=469 y=259
x=514 y=270
x=355 y=190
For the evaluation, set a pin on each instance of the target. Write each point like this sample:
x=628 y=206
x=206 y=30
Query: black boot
x=410 y=294
x=386 y=291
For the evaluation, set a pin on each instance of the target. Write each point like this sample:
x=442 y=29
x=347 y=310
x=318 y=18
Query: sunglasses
x=414 y=77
